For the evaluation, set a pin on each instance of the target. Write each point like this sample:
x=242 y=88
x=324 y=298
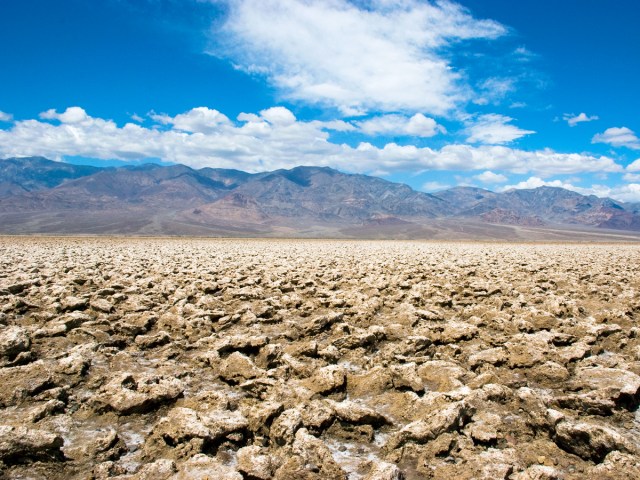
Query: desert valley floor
x=257 y=359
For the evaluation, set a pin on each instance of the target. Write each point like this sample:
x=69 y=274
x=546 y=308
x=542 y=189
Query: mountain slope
x=305 y=198
x=40 y=196
x=539 y=206
x=327 y=194
x=465 y=199
x=20 y=175
x=560 y=206
x=148 y=186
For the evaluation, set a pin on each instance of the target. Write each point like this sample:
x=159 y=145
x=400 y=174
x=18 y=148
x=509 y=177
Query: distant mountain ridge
x=541 y=206
x=41 y=196
x=18 y=175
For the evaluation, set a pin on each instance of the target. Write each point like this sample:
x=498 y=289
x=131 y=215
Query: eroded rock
x=589 y=441
x=127 y=393
x=311 y=459
x=13 y=341
x=255 y=462
x=164 y=358
x=204 y=467
x=20 y=444
x=451 y=418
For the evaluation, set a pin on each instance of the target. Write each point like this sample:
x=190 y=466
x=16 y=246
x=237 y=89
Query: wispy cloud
x=270 y=139
x=434 y=186
x=494 y=129
x=493 y=90
x=383 y=56
x=523 y=54
x=618 y=137
x=574 y=120
x=416 y=126
x=5 y=117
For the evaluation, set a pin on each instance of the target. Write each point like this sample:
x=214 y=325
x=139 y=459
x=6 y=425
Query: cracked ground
x=258 y=359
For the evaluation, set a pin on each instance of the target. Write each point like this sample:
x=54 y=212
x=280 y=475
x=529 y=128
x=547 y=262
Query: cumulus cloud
x=536 y=182
x=623 y=193
x=280 y=116
x=418 y=125
x=357 y=56
x=491 y=177
x=71 y=115
x=467 y=157
x=196 y=120
x=494 y=129
x=618 y=137
x=634 y=166
x=574 y=120
x=631 y=177
x=270 y=139
x=5 y=117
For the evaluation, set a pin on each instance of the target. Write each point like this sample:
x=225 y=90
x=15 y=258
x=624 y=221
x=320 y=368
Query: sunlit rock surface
x=186 y=358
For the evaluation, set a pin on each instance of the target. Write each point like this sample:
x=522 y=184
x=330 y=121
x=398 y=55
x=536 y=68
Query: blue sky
x=492 y=93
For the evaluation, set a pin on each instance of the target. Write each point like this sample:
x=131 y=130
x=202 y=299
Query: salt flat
x=256 y=359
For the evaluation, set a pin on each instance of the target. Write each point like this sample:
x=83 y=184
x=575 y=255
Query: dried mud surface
x=239 y=359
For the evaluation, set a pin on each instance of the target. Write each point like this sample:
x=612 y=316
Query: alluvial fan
x=259 y=359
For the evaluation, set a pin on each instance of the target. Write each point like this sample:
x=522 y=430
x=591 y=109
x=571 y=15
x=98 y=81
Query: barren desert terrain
x=257 y=359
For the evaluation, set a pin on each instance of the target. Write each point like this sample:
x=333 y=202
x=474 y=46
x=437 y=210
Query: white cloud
x=494 y=90
x=422 y=126
x=137 y=118
x=378 y=55
x=623 y=193
x=634 y=166
x=536 y=182
x=629 y=192
x=278 y=116
x=71 y=115
x=266 y=141
x=491 y=177
x=631 y=177
x=196 y=120
x=574 y=120
x=336 y=125
x=5 y=117
x=543 y=162
x=494 y=129
x=434 y=186
x=618 y=137
x=524 y=53
x=418 y=125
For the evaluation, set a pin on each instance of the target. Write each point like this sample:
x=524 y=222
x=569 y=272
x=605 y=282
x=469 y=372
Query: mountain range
x=47 y=197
